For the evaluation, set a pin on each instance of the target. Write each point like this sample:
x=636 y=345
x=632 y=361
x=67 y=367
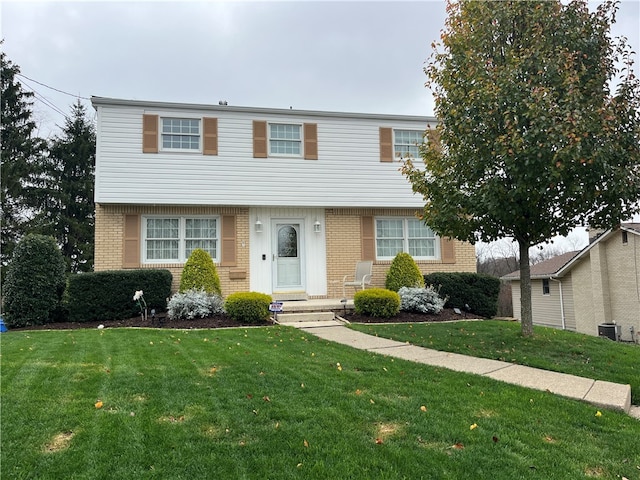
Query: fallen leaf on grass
x=358 y=392
x=339 y=367
x=379 y=441
x=495 y=439
x=266 y=398
x=473 y=427
x=99 y=404
x=423 y=408
x=306 y=444
x=457 y=446
x=598 y=413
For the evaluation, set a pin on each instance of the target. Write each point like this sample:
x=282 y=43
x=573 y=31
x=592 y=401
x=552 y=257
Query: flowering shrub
x=425 y=300
x=194 y=304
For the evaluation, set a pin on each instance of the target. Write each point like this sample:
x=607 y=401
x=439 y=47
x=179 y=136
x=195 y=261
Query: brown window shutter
x=131 y=245
x=150 y=134
x=311 y=141
x=368 y=238
x=386 y=144
x=228 y=257
x=447 y=250
x=259 y=139
x=433 y=137
x=210 y=136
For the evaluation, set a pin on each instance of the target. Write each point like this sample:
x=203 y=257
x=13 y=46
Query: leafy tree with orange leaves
x=532 y=141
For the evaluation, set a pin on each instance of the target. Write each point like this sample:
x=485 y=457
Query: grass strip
x=550 y=348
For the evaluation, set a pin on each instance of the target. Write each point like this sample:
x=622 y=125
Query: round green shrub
x=377 y=302
x=403 y=272
x=199 y=273
x=250 y=307
x=35 y=282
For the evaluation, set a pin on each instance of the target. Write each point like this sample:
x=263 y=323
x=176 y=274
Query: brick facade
x=343 y=245
x=109 y=232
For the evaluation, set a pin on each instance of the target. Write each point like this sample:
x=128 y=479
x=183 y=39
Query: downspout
x=564 y=326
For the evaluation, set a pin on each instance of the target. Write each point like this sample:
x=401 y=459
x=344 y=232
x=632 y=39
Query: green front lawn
x=276 y=403
x=549 y=349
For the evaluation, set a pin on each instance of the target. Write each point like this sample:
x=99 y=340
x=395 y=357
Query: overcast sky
x=328 y=55
x=362 y=56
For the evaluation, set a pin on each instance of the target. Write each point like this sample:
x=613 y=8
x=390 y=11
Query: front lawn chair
x=362 y=277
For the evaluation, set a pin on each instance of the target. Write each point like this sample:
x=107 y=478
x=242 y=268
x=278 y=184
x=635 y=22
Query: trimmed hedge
x=477 y=290
x=35 y=283
x=403 y=272
x=377 y=302
x=109 y=295
x=200 y=273
x=250 y=307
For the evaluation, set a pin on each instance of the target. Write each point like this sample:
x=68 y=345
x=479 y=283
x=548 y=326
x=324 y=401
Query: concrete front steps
x=313 y=313
x=308 y=319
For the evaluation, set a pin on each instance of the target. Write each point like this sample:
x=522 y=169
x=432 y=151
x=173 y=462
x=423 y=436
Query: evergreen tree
x=21 y=150
x=65 y=191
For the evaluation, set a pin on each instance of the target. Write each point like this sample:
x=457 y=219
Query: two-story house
x=285 y=201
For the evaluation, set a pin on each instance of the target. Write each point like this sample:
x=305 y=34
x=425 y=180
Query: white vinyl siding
x=172 y=239
x=406 y=143
x=410 y=235
x=347 y=174
x=181 y=134
x=285 y=139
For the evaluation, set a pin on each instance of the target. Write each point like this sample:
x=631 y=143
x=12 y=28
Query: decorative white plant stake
x=138 y=297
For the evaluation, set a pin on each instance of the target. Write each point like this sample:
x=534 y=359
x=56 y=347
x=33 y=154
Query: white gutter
x=564 y=326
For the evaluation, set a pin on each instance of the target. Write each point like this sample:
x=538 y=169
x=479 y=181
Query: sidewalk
x=597 y=392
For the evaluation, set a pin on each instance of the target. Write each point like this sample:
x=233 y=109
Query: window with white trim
x=285 y=139
x=180 y=134
x=172 y=239
x=406 y=143
x=410 y=235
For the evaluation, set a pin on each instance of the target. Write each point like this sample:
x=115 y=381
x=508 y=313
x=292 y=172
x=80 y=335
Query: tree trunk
x=526 y=313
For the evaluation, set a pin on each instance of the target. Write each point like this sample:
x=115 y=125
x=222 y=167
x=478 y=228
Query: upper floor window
x=180 y=134
x=406 y=143
x=410 y=235
x=173 y=239
x=285 y=139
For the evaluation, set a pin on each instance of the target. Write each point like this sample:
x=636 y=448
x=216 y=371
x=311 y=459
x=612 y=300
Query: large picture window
x=180 y=134
x=410 y=235
x=406 y=143
x=285 y=139
x=172 y=239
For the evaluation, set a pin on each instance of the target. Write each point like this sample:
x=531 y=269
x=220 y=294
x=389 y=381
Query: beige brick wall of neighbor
x=344 y=249
x=109 y=241
x=623 y=262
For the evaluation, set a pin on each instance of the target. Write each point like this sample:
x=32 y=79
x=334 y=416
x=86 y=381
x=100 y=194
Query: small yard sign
x=275 y=307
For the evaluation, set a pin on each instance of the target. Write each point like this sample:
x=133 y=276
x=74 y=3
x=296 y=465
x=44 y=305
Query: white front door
x=287 y=256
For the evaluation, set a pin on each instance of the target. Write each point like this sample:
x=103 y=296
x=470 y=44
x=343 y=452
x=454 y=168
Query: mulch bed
x=223 y=321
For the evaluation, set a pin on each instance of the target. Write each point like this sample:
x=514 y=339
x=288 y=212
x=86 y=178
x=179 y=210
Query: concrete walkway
x=597 y=392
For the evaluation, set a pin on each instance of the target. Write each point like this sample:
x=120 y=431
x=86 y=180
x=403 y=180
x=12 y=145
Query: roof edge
x=106 y=101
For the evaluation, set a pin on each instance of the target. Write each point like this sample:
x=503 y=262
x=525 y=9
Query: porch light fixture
x=258 y=225
x=317 y=227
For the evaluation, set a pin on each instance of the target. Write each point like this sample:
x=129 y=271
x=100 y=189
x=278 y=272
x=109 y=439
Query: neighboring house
x=582 y=290
x=285 y=201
